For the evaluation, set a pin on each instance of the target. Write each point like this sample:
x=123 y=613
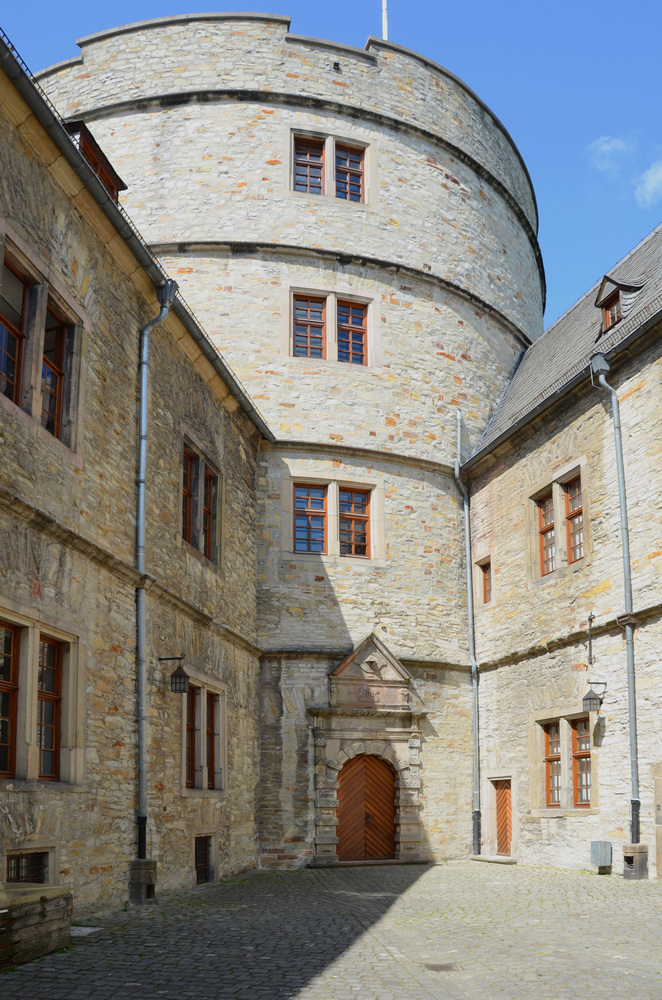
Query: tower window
x=309 y=518
x=309 y=328
x=349 y=173
x=352 y=333
x=309 y=166
x=354 y=507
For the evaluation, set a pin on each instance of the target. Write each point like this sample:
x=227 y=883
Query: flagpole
x=384 y=21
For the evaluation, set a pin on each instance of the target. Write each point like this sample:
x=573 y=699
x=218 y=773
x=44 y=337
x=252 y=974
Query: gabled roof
x=609 y=285
x=560 y=358
x=362 y=652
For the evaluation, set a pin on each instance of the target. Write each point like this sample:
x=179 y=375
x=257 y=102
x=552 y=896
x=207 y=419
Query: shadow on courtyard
x=260 y=936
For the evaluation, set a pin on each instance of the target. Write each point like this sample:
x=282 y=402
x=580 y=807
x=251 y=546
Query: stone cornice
x=373 y=455
x=323 y=104
x=47 y=525
x=345 y=258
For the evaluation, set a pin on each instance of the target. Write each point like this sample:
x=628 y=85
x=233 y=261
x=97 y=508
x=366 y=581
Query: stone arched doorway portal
x=366 y=810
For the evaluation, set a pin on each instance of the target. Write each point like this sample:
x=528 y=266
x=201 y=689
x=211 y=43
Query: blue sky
x=576 y=83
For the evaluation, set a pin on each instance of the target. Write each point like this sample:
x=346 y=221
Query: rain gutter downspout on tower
x=166 y=294
x=600 y=365
x=475 y=814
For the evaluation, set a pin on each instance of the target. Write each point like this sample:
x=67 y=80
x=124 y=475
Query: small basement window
x=203 y=869
x=32 y=867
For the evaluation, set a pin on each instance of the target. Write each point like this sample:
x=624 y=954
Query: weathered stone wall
x=291 y=764
x=410 y=588
x=532 y=638
x=67 y=569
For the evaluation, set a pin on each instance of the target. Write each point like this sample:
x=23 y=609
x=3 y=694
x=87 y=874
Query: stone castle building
x=356 y=232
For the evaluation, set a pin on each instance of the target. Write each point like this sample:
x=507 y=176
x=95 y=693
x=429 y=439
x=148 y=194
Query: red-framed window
x=8 y=697
x=349 y=173
x=212 y=734
x=192 y=704
x=13 y=294
x=309 y=339
x=581 y=762
x=553 y=764
x=209 y=513
x=354 y=507
x=309 y=166
x=29 y=867
x=612 y=311
x=188 y=471
x=49 y=698
x=352 y=333
x=310 y=517
x=547 y=535
x=52 y=374
x=574 y=520
x=486 y=581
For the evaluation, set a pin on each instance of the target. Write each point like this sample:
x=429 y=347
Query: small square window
x=28 y=867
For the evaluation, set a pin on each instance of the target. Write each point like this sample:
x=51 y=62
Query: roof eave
x=50 y=121
x=549 y=401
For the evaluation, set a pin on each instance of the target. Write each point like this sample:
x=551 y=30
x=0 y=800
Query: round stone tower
x=357 y=233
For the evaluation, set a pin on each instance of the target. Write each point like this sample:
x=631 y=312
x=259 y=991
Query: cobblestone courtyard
x=460 y=930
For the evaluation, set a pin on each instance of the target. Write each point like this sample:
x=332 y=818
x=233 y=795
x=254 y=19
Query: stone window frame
x=334 y=480
x=37 y=846
x=30 y=631
x=556 y=486
x=205 y=686
x=565 y=715
x=486 y=558
x=189 y=444
x=46 y=294
x=330 y=140
x=341 y=292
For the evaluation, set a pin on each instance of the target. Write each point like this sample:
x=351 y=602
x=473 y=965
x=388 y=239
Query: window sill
x=32 y=425
x=324 y=199
x=328 y=559
x=562 y=813
x=35 y=785
x=322 y=363
x=204 y=793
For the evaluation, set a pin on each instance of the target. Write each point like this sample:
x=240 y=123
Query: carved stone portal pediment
x=369 y=677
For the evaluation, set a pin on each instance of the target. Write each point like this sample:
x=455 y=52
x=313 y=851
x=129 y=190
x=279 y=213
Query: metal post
x=384 y=20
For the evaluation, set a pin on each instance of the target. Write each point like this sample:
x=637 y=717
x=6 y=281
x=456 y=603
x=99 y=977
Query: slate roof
x=560 y=357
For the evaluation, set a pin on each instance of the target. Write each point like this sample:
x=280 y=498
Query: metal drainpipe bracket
x=626 y=619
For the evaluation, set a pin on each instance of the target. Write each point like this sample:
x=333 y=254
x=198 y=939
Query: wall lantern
x=179 y=682
x=592 y=702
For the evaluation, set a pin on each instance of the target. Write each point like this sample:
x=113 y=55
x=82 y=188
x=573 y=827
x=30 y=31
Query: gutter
x=475 y=814
x=49 y=119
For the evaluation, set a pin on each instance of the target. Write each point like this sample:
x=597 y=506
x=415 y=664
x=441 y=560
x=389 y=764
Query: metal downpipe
x=475 y=814
x=166 y=296
x=600 y=365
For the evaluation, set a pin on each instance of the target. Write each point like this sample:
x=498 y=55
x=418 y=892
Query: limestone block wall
x=532 y=638
x=199 y=114
x=67 y=559
x=429 y=351
x=298 y=773
x=230 y=52
x=410 y=588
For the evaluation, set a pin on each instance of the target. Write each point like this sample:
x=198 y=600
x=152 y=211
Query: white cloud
x=605 y=153
x=649 y=186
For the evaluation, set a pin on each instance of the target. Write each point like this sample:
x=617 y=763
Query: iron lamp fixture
x=179 y=680
x=592 y=701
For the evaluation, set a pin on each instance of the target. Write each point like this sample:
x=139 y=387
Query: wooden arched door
x=366 y=810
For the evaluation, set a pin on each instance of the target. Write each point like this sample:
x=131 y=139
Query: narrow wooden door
x=366 y=810
x=503 y=817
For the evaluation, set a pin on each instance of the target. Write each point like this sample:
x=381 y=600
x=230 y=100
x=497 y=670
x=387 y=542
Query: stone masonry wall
x=532 y=638
x=67 y=559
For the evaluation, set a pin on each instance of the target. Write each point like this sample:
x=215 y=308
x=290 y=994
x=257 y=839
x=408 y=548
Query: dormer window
x=615 y=299
x=612 y=311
